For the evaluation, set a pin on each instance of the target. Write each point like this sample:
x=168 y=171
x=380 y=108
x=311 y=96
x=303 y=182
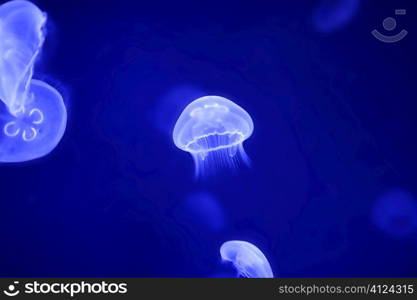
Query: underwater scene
x=165 y=139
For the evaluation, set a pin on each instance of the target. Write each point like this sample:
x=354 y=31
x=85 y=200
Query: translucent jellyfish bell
x=33 y=117
x=248 y=260
x=212 y=129
x=38 y=129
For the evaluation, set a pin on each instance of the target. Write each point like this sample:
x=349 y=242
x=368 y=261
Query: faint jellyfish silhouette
x=395 y=213
x=203 y=211
x=248 y=260
x=212 y=129
x=332 y=15
x=33 y=117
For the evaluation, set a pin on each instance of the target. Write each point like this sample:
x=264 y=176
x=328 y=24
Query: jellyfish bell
x=39 y=127
x=33 y=117
x=22 y=35
x=248 y=260
x=212 y=129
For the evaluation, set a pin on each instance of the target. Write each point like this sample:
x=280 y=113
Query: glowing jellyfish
x=248 y=260
x=332 y=15
x=395 y=213
x=33 y=117
x=212 y=129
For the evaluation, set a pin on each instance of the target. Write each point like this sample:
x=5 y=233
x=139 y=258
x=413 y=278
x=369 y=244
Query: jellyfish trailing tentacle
x=212 y=129
x=22 y=34
x=248 y=260
x=33 y=115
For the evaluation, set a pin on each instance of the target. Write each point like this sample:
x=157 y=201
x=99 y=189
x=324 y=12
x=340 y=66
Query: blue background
x=335 y=120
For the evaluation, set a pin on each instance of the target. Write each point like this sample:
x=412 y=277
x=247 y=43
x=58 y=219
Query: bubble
x=33 y=117
x=248 y=260
x=212 y=129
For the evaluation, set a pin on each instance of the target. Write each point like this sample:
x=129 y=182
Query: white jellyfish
x=248 y=260
x=33 y=117
x=212 y=129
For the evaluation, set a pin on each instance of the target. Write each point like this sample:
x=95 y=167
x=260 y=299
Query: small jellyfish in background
x=32 y=113
x=395 y=213
x=212 y=129
x=332 y=15
x=248 y=260
x=203 y=211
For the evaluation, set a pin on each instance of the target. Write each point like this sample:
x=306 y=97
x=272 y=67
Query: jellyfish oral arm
x=22 y=36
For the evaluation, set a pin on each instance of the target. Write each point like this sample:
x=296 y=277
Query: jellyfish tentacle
x=232 y=150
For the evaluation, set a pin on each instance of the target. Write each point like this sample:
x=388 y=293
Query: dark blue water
x=335 y=120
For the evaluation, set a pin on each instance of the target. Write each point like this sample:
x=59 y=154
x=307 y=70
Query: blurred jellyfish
x=395 y=213
x=332 y=15
x=213 y=129
x=171 y=105
x=248 y=260
x=203 y=211
x=33 y=117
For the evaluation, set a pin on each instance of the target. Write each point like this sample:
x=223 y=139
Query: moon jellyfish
x=395 y=213
x=33 y=117
x=212 y=129
x=332 y=15
x=248 y=260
